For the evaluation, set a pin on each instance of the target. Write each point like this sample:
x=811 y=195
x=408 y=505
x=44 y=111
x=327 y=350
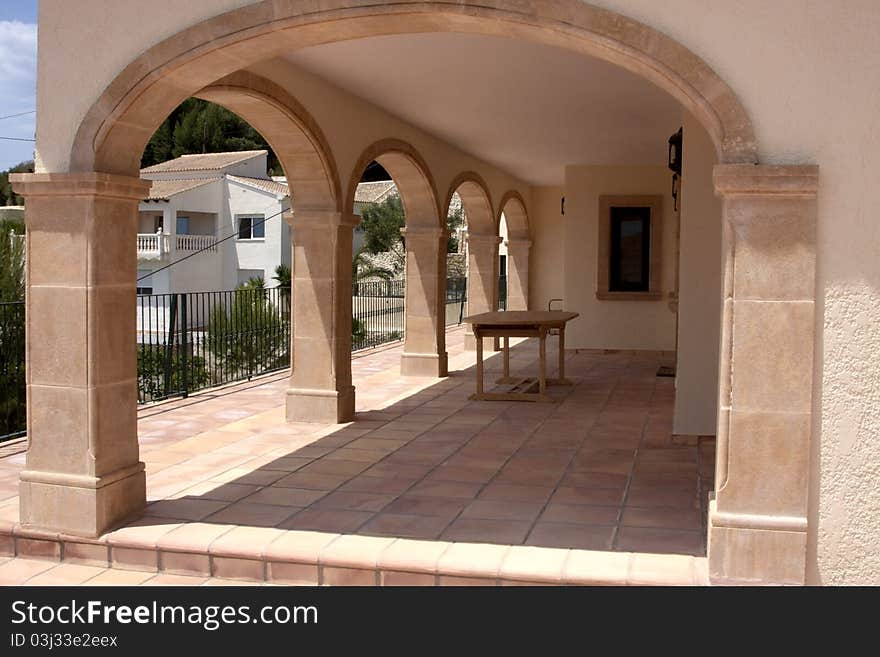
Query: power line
x=206 y=248
x=12 y=116
x=17 y=139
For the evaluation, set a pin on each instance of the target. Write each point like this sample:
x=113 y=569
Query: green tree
x=11 y=260
x=454 y=220
x=197 y=126
x=7 y=196
x=283 y=278
x=381 y=223
x=362 y=268
x=160 y=373
x=12 y=381
x=251 y=335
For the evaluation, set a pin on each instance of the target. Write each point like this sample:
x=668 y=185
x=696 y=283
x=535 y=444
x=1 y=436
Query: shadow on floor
x=597 y=469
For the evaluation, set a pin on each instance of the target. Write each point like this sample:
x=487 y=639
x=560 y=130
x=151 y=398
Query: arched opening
x=517 y=244
x=423 y=243
x=101 y=156
x=482 y=246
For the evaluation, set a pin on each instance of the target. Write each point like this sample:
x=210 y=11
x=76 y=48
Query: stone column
x=424 y=349
x=82 y=475
x=482 y=283
x=518 y=274
x=758 y=519
x=320 y=381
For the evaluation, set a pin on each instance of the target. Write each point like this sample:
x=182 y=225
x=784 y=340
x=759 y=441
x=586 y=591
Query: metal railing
x=456 y=300
x=13 y=418
x=377 y=313
x=188 y=342
x=197 y=340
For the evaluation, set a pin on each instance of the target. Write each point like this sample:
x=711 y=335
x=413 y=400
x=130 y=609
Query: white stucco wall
x=258 y=254
x=807 y=72
x=613 y=324
x=699 y=287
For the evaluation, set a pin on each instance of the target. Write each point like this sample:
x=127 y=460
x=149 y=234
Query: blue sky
x=18 y=74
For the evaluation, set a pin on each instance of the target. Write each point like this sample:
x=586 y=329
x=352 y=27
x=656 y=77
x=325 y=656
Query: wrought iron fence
x=13 y=417
x=191 y=341
x=456 y=300
x=377 y=311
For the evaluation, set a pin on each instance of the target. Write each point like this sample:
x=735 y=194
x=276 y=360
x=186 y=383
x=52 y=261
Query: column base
x=431 y=365
x=324 y=406
x=81 y=505
x=757 y=554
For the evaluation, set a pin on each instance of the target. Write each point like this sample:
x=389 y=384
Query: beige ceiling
x=528 y=108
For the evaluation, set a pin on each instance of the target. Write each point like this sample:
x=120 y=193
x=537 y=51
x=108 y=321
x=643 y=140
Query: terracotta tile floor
x=598 y=469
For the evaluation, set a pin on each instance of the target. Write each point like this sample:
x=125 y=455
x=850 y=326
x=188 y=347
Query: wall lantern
x=675 y=147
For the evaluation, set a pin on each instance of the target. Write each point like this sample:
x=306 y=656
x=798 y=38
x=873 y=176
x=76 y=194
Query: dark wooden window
x=630 y=249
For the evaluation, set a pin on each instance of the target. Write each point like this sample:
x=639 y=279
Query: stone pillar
x=424 y=349
x=758 y=519
x=320 y=381
x=82 y=475
x=518 y=274
x=482 y=283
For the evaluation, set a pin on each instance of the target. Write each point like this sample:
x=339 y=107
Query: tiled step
x=259 y=554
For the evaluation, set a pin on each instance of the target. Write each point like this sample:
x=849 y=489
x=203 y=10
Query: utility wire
x=206 y=248
x=17 y=139
x=12 y=116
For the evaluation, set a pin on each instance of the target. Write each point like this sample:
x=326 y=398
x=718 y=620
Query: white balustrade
x=196 y=243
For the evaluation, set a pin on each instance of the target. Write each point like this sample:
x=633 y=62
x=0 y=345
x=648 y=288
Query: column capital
x=483 y=239
x=733 y=180
x=517 y=243
x=320 y=219
x=427 y=232
x=90 y=183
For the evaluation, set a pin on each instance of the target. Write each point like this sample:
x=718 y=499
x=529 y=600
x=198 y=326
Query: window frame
x=604 y=289
x=251 y=216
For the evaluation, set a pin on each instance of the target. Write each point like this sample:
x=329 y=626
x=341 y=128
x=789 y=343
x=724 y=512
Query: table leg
x=562 y=353
x=479 y=362
x=542 y=354
x=506 y=357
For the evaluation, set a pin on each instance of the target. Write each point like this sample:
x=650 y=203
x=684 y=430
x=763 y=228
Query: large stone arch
x=483 y=240
x=410 y=173
x=293 y=134
x=174 y=69
x=758 y=520
x=519 y=243
x=424 y=351
x=476 y=201
x=513 y=207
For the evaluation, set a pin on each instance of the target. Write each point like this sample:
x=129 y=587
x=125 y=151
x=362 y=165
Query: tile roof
x=270 y=186
x=374 y=192
x=162 y=190
x=203 y=161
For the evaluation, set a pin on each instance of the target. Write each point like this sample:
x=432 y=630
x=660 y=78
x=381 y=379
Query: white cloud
x=18 y=81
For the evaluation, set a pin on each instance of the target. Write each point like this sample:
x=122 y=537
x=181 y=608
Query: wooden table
x=520 y=324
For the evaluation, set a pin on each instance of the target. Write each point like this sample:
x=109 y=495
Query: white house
x=211 y=222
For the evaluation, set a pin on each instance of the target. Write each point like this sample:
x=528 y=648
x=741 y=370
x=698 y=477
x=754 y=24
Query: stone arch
x=410 y=173
x=477 y=203
x=172 y=70
x=293 y=134
x=513 y=207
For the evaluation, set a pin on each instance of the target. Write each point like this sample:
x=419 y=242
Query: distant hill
x=197 y=126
